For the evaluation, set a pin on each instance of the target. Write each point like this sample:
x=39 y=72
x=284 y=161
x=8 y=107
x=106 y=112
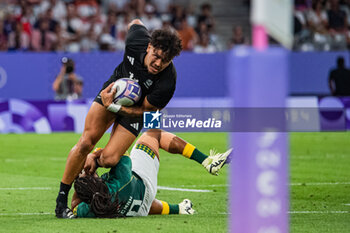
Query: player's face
x=155 y=60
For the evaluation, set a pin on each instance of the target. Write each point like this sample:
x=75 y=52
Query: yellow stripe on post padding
x=166 y=208
x=188 y=150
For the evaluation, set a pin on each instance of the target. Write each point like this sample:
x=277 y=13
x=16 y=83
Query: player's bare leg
x=162 y=207
x=169 y=142
x=97 y=121
x=120 y=140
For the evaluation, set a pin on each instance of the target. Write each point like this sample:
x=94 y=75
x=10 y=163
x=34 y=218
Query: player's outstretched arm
x=162 y=207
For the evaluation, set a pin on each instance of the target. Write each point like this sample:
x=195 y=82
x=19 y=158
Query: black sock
x=62 y=197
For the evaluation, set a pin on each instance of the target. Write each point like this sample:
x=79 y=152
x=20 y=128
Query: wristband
x=114 y=107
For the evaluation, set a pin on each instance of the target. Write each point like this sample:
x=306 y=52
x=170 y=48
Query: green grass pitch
x=319 y=190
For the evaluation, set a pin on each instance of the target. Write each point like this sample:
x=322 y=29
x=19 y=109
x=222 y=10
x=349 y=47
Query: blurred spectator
x=203 y=46
x=3 y=37
x=238 y=37
x=59 y=39
x=86 y=8
x=42 y=38
x=339 y=79
x=202 y=29
x=317 y=20
x=166 y=22
x=162 y=5
x=73 y=26
x=122 y=26
x=27 y=19
x=106 y=40
x=344 y=5
x=149 y=18
x=135 y=7
x=82 y=25
x=115 y=4
x=337 y=17
x=57 y=7
x=112 y=24
x=68 y=85
x=18 y=39
x=177 y=15
x=89 y=42
x=302 y=34
x=302 y=5
x=337 y=24
x=47 y=15
x=206 y=16
x=191 y=17
x=9 y=23
x=188 y=35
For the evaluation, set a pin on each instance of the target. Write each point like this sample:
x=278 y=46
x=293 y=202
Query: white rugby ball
x=128 y=92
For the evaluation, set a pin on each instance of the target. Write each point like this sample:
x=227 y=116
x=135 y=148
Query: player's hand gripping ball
x=128 y=92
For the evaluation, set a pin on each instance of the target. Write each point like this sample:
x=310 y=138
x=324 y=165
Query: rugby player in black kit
x=148 y=60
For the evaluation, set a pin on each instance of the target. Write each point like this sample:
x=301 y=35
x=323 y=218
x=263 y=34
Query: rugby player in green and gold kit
x=130 y=187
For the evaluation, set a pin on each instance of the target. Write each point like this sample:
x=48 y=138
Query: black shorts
x=132 y=124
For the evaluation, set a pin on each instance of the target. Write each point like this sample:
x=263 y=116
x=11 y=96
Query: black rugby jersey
x=158 y=88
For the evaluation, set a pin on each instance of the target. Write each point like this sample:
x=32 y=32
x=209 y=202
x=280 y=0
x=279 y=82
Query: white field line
x=22 y=214
x=224 y=213
x=347 y=204
x=27 y=188
x=320 y=183
x=184 y=190
x=320 y=212
x=159 y=187
x=326 y=156
x=291 y=184
x=205 y=185
x=312 y=212
x=31 y=160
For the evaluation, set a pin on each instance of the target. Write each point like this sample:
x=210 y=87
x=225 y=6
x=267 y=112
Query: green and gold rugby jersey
x=122 y=181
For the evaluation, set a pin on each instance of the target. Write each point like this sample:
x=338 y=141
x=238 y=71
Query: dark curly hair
x=94 y=191
x=168 y=41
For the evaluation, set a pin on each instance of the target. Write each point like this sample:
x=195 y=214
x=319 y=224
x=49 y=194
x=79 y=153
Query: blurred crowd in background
x=322 y=25
x=101 y=25
x=95 y=25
